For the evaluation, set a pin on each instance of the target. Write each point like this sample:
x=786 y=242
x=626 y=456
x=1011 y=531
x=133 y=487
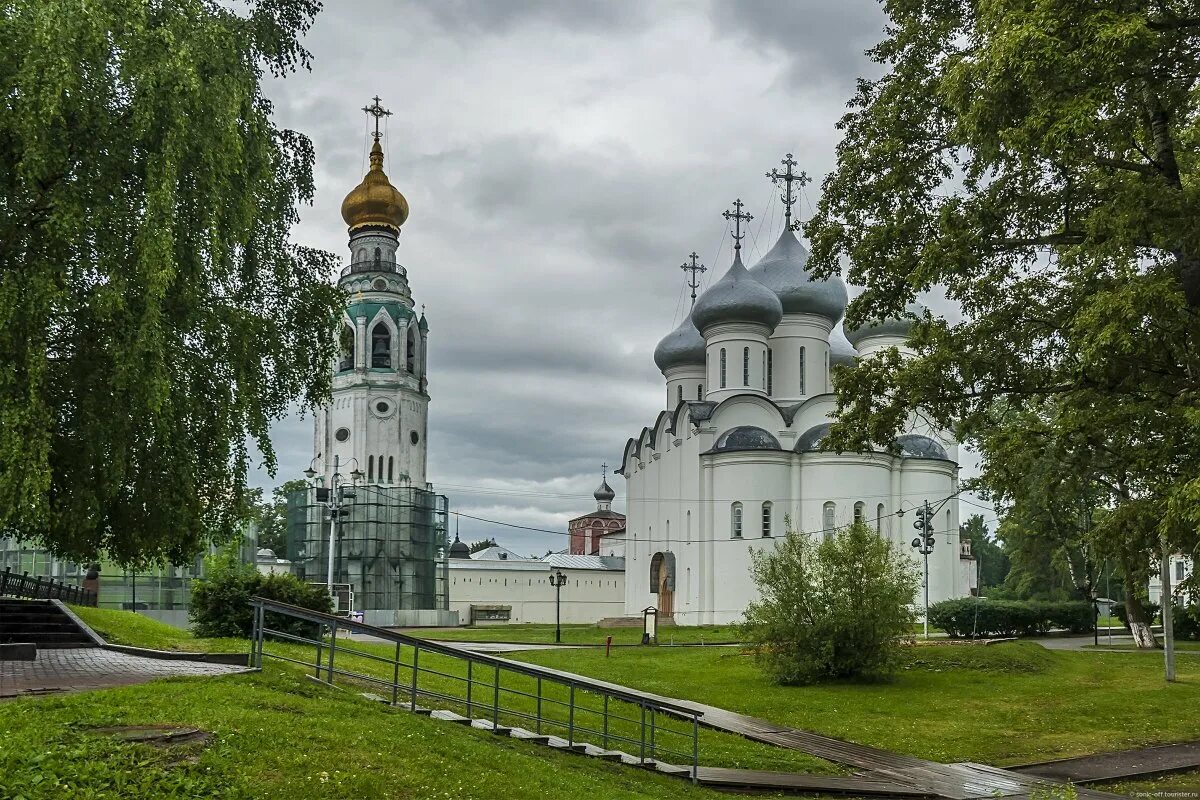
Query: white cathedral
x=738 y=446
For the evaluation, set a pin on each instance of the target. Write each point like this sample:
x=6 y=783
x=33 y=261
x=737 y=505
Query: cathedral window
x=381 y=346
x=370 y=468
x=860 y=511
x=700 y=391
x=801 y=370
x=390 y=465
x=827 y=520
x=680 y=393
x=879 y=519
x=766 y=519
x=770 y=371
x=377 y=255
x=736 y=520
x=411 y=357
x=722 y=367
x=745 y=366
x=689 y=527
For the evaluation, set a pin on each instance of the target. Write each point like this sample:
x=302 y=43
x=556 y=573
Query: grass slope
x=1001 y=704
x=578 y=634
x=279 y=735
x=716 y=748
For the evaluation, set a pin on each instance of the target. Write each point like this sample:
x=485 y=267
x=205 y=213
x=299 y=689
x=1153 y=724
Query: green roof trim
x=399 y=312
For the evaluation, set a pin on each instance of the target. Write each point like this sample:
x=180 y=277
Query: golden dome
x=375 y=201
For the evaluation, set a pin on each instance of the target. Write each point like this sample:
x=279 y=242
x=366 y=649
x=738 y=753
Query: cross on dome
x=696 y=271
x=788 y=177
x=737 y=216
x=378 y=112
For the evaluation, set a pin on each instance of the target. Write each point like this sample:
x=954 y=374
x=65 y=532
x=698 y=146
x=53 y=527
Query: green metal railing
x=578 y=710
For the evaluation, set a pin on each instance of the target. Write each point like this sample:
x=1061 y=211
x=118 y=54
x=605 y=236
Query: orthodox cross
x=697 y=270
x=378 y=112
x=737 y=216
x=788 y=177
x=604 y=472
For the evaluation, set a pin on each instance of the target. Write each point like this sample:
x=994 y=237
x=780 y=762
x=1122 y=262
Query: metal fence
x=22 y=585
x=500 y=692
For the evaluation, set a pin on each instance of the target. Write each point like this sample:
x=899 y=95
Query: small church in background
x=600 y=532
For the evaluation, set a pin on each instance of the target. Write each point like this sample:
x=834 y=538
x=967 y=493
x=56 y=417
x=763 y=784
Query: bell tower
x=377 y=419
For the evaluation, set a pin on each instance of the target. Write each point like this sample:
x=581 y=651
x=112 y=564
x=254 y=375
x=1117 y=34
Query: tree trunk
x=1139 y=622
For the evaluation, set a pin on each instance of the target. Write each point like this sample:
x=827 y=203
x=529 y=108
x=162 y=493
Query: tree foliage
x=271 y=516
x=830 y=610
x=154 y=316
x=1038 y=162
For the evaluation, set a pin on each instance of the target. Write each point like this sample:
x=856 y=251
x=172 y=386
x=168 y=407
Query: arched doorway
x=662 y=582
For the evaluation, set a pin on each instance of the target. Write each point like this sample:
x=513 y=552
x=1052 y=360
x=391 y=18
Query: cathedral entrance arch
x=662 y=582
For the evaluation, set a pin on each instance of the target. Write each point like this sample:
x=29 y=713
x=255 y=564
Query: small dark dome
x=737 y=297
x=682 y=347
x=459 y=549
x=914 y=445
x=811 y=439
x=784 y=270
x=892 y=326
x=604 y=494
x=745 y=437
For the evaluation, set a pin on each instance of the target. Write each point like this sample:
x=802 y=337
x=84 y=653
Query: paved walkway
x=72 y=669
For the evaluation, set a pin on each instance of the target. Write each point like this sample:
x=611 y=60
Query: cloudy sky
x=561 y=159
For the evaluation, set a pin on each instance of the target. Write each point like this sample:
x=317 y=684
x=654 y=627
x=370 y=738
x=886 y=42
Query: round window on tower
x=380 y=284
x=414 y=437
x=382 y=407
x=342 y=434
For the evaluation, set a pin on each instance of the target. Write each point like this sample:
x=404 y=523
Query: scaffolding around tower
x=390 y=549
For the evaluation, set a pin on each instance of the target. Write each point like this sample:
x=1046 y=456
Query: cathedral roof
x=915 y=445
x=737 y=297
x=682 y=347
x=745 y=437
x=784 y=270
x=840 y=349
x=892 y=326
x=375 y=202
x=459 y=549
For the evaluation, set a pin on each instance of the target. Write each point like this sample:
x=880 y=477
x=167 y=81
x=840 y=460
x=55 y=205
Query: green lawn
x=1000 y=704
x=1187 y=647
x=579 y=634
x=716 y=748
x=279 y=735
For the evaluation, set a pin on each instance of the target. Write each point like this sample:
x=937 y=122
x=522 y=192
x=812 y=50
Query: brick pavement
x=67 y=670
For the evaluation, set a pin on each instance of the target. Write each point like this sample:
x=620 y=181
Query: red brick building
x=602 y=532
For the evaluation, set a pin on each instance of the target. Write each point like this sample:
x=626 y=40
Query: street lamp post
x=924 y=545
x=336 y=494
x=557 y=579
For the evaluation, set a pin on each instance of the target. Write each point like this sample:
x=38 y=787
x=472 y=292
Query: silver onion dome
x=682 y=347
x=892 y=326
x=737 y=297
x=784 y=270
x=605 y=493
x=840 y=349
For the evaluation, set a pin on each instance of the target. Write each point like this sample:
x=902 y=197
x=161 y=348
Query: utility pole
x=557 y=579
x=924 y=545
x=1168 y=601
x=333 y=523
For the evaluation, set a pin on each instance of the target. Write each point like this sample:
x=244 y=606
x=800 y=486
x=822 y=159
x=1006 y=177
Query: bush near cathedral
x=830 y=610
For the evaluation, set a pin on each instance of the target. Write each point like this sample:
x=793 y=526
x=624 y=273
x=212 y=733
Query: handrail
x=645 y=728
x=443 y=648
x=26 y=587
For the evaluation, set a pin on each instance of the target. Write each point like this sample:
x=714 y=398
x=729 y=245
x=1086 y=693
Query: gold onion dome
x=375 y=201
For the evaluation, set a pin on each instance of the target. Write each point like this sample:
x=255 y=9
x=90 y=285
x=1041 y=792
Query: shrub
x=831 y=610
x=1186 y=622
x=971 y=616
x=221 y=602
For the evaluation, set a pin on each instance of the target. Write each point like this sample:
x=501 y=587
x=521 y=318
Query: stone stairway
x=39 y=622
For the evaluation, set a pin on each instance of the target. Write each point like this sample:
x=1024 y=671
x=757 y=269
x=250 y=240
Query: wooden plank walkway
x=1145 y=762
x=963 y=781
